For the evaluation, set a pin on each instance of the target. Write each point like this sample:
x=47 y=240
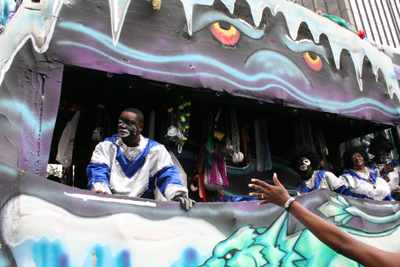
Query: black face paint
x=127 y=129
x=382 y=156
x=305 y=164
x=304 y=167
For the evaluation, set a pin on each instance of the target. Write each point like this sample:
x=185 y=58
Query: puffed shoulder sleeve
x=98 y=171
x=337 y=184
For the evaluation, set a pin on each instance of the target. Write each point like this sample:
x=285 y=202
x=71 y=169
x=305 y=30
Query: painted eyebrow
x=208 y=18
x=306 y=45
x=126 y=120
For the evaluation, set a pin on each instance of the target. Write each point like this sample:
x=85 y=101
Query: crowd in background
x=371 y=171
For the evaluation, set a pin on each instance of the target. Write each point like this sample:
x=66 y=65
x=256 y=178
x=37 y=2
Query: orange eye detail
x=314 y=64
x=226 y=36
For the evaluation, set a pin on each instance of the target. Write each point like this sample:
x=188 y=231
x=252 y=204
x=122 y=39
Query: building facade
x=379 y=18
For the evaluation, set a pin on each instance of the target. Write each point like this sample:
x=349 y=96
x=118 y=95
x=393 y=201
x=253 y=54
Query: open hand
x=271 y=194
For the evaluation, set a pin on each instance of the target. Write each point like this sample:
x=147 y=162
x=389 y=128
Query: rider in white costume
x=129 y=164
x=362 y=183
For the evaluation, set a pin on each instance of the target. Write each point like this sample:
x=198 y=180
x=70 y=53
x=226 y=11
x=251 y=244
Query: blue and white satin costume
x=321 y=179
x=393 y=176
x=369 y=185
x=133 y=171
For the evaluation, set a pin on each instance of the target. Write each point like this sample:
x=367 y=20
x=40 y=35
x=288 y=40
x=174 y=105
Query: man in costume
x=131 y=165
x=305 y=162
x=380 y=149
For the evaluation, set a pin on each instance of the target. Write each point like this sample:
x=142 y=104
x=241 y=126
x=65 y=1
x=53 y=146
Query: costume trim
x=371 y=178
x=315 y=183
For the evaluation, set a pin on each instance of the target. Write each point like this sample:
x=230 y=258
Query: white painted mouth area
x=123 y=133
x=303 y=168
x=27 y=218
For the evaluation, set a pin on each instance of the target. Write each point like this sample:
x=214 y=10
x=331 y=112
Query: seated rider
x=361 y=182
x=305 y=162
x=380 y=149
x=131 y=165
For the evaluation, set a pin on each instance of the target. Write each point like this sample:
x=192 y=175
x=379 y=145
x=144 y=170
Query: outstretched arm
x=328 y=233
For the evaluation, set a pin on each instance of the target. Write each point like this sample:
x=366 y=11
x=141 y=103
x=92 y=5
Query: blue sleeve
x=343 y=190
x=97 y=172
x=166 y=176
x=236 y=199
x=389 y=197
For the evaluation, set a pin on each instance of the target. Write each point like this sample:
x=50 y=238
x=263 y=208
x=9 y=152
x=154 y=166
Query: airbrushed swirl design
x=261 y=72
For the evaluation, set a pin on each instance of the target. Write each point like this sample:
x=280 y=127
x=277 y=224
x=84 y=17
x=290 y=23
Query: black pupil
x=224 y=25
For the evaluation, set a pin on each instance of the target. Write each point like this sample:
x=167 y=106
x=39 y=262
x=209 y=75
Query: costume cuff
x=100 y=186
x=175 y=189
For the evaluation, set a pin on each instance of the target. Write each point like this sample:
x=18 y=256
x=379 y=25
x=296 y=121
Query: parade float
x=282 y=67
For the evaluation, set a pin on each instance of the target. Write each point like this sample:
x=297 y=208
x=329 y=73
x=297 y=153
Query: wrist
x=284 y=199
x=288 y=203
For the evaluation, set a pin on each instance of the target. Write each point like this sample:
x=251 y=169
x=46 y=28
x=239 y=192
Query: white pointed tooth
x=257 y=8
x=358 y=59
x=118 y=10
x=339 y=37
x=230 y=5
x=188 y=7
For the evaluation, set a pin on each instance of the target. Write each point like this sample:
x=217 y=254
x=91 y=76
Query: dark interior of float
x=101 y=96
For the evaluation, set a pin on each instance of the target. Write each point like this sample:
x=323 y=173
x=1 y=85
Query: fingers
x=183 y=203
x=257 y=187
x=186 y=203
x=276 y=181
x=263 y=202
x=261 y=183
x=189 y=203
x=261 y=195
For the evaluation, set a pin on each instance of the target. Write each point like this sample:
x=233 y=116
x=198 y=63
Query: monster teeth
x=346 y=40
x=339 y=41
x=118 y=10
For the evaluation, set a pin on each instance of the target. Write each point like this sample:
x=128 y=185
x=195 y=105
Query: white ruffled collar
x=310 y=182
x=131 y=152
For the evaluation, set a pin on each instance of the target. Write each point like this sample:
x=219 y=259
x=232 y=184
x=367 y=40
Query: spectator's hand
x=386 y=170
x=271 y=194
x=186 y=203
x=100 y=191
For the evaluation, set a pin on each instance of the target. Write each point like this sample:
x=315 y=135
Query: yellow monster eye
x=314 y=64
x=226 y=36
